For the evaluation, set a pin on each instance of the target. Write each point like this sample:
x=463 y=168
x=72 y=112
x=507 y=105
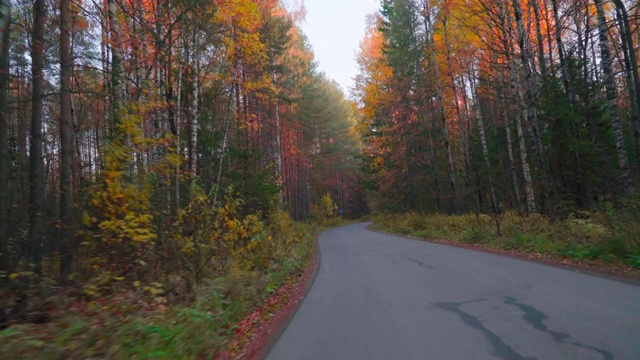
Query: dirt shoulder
x=261 y=329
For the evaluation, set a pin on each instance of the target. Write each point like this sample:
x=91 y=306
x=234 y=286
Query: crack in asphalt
x=500 y=348
x=420 y=263
x=537 y=318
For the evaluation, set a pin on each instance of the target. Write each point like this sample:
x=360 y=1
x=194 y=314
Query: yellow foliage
x=118 y=223
x=325 y=210
x=209 y=238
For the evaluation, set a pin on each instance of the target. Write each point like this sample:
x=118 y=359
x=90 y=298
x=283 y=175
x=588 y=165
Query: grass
x=610 y=237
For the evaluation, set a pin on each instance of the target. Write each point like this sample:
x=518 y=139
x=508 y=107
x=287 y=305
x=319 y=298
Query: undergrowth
x=192 y=314
x=610 y=236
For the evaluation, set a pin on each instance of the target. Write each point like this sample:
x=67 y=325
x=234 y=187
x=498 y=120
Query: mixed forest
x=116 y=117
x=495 y=105
x=151 y=147
x=526 y=111
x=164 y=164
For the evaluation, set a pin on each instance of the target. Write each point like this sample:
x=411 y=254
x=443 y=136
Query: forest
x=510 y=124
x=119 y=117
x=494 y=105
x=151 y=147
x=181 y=154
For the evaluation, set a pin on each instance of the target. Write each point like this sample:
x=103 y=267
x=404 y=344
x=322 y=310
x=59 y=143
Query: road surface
x=385 y=297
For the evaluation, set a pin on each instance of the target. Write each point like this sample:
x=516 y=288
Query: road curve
x=384 y=297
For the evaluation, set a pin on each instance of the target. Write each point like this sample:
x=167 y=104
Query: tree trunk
x=513 y=83
x=194 y=115
x=278 y=141
x=117 y=93
x=223 y=147
x=178 y=112
x=545 y=6
x=609 y=84
x=631 y=69
x=447 y=142
x=510 y=156
x=628 y=69
x=5 y=22
x=443 y=115
x=66 y=140
x=485 y=151
x=36 y=183
x=463 y=136
x=536 y=14
x=473 y=178
x=563 y=61
x=530 y=103
x=431 y=148
x=23 y=153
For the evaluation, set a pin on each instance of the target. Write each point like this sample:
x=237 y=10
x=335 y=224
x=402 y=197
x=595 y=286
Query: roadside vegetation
x=609 y=238
x=190 y=302
x=483 y=107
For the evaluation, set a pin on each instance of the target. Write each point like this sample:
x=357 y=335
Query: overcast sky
x=335 y=29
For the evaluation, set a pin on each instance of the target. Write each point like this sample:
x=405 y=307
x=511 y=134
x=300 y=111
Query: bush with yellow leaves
x=326 y=211
x=207 y=238
x=118 y=223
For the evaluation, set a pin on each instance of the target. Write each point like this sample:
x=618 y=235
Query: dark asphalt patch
x=500 y=348
x=537 y=318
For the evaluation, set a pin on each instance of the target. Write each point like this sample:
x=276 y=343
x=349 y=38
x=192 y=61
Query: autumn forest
x=495 y=105
x=162 y=147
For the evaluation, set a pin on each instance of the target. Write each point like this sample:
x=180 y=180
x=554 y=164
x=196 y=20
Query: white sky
x=335 y=29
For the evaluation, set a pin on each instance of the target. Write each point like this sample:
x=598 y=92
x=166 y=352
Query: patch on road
x=537 y=318
x=500 y=348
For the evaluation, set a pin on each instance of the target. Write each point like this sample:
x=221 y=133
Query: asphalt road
x=385 y=297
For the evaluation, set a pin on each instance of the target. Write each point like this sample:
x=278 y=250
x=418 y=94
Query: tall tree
x=631 y=69
x=612 y=105
x=5 y=24
x=435 y=68
x=66 y=139
x=531 y=91
x=195 y=83
x=507 y=48
x=36 y=181
x=485 y=150
x=561 y=51
x=115 y=85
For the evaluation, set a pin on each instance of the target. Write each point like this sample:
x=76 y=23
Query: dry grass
x=610 y=236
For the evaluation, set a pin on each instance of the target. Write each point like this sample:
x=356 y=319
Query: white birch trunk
x=194 y=114
x=612 y=105
x=443 y=116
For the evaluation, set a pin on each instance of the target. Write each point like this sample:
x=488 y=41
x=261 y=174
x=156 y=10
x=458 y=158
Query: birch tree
x=612 y=105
